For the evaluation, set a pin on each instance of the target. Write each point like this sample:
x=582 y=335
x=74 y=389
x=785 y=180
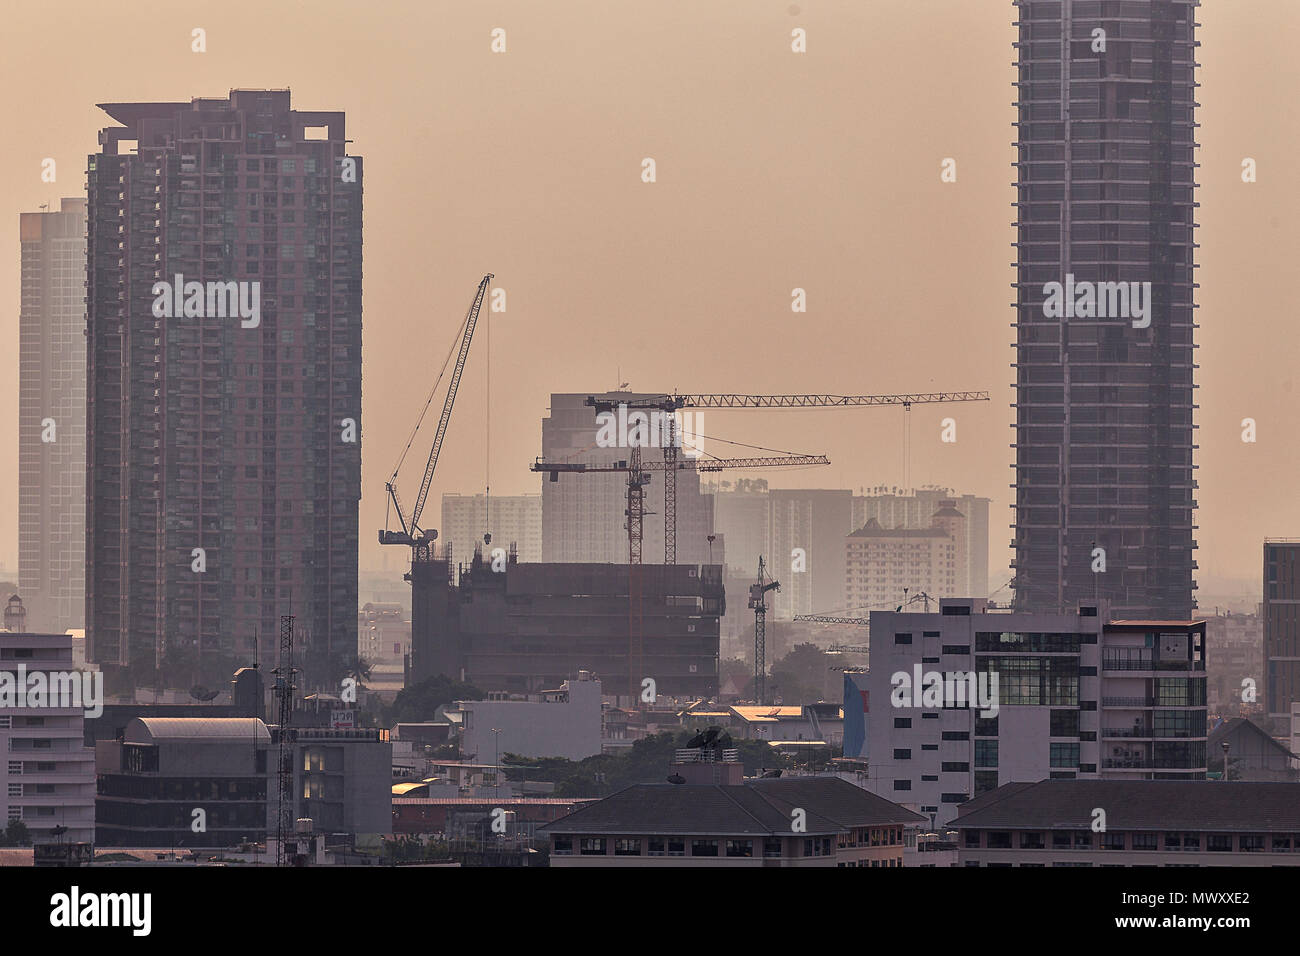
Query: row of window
x=1123 y=840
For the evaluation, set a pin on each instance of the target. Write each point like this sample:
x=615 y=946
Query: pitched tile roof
x=755 y=808
x=1200 y=805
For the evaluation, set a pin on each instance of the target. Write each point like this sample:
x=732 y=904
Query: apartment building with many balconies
x=1076 y=696
x=224 y=390
x=49 y=772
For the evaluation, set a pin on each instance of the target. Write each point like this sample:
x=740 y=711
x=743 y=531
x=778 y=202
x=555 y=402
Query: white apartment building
x=510 y=519
x=1077 y=697
x=888 y=566
x=49 y=772
x=899 y=508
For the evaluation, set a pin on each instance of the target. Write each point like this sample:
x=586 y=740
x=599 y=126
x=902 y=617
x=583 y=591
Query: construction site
x=646 y=629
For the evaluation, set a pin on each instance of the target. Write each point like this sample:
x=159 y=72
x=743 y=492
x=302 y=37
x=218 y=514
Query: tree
x=421 y=701
x=16 y=834
x=804 y=675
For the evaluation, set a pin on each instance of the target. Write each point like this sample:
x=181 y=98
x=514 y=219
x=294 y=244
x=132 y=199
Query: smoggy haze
x=528 y=165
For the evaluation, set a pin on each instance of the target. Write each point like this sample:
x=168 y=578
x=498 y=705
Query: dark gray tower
x=1104 y=433
x=224 y=367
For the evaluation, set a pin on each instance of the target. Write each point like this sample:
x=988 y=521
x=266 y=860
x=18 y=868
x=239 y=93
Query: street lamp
x=496 y=771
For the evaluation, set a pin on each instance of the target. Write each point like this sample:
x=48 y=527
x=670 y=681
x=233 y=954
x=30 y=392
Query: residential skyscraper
x=224 y=323
x=1105 y=208
x=52 y=417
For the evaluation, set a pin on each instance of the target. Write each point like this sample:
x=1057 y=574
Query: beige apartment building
x=887 y=566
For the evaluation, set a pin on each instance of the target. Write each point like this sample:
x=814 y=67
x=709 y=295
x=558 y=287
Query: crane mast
x=758 y=601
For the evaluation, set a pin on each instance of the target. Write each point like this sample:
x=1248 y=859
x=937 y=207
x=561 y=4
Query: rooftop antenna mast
x=284 y=773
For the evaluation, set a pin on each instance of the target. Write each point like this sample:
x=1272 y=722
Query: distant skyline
x=520 y=164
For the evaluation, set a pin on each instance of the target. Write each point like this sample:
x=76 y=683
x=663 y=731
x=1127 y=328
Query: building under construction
x=527 y=627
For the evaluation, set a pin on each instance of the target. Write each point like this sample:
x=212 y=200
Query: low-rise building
x=1239 y=750
x=193 y=782
x=809 y=821
x=200 y=782
x=1181 y=823
x=565 y=722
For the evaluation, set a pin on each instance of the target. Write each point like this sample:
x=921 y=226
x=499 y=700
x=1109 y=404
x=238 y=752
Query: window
x=676 y=846
x=955 y=766
x=985 y=780
x=999 y=840
x=1064 y=755
x=740 y=848
x=1145 y=841
x=902 y=754
x=902 y=722
x=1062 y=840
x=955 y=735
x=563 y=846
x=986 y=753
x=1052 y=681
x=972 y=839
x=1218 y=843
x=1112 y=841
x=771 y=847
x=902 y=785
x=902 y=638
x=1032 y=841
x=1251 y=843
x=655 y=846
x=1065 y=723
x=592 y=846
x=986 y=726
x=627 y=846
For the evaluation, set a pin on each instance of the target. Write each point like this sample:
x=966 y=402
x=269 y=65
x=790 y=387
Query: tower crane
x=671 y=404
x=419 y=539
x=758 y=601
x=638 y=473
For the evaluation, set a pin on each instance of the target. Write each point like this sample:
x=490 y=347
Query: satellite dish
x=199 y=692
x=676 y=779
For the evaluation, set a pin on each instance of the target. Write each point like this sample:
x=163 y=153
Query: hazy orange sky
x=775 y=170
